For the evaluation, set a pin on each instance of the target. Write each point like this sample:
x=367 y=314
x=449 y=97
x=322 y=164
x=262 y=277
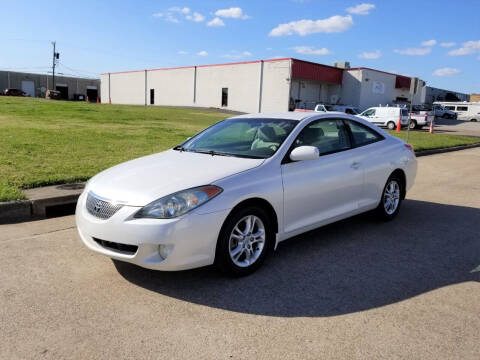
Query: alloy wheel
x=391 y=197
x=247 y=241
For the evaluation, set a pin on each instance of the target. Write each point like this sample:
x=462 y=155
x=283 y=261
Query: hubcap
x=247 y=241
x=391 y=197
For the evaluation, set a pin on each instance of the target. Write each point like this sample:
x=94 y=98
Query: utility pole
x=56 y=56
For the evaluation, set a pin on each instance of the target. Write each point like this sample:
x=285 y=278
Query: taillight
x=410 y=147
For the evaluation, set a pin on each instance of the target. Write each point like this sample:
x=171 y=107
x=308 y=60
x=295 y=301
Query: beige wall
x=175 y=87
x=172 y=87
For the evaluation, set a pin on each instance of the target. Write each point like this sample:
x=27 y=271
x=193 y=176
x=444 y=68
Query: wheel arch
x=259 y=202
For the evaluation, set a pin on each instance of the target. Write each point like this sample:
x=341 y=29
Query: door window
x=328 y=136
x=462 y=108
x=362 y=135
x=370 y=112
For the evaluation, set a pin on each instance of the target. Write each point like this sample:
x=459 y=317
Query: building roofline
x=380 y=71
x=199 y=66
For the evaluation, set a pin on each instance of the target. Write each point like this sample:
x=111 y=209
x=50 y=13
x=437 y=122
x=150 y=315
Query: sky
x=438 y=41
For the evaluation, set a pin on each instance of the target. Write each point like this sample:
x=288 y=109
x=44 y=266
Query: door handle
x=355 y=165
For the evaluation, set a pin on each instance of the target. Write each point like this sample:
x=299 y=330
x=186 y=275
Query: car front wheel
x=245 y=240
x=391 y=200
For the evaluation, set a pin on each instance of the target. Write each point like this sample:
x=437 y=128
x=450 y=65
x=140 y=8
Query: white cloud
x=181 y=52
x=202 y=53
x=233 y=12
x=308 y=50
x=414 y=51
x=216 y=22
x=469 y=47
x=184 y=10
x=447 y=44
x=167 y=16
x=429 y=43
x=197 y=17
x=174 y=13
x=237 y=54
x=279 y=57
x=361 y=9
x=269 y=49
x=332 y=24
x=370 y=55
x=446 y=71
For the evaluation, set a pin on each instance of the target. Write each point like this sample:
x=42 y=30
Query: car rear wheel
x=391 y=125
x=391 y=200
x=245 y=241
x=412 y=125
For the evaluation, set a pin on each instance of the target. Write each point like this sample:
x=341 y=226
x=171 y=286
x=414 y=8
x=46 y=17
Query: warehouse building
x=36 y=85
x=259 y=86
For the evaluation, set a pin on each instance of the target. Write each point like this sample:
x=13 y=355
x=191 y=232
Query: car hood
x=141 y=181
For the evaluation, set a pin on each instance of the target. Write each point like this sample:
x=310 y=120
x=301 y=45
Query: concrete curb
x=445 y=150
x=43 y=199
x=42 y=203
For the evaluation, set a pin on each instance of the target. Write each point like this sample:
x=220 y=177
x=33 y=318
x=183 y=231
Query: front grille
x=123 y=248
x=101 y=209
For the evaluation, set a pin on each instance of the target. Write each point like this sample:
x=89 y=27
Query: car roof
x=290 y=115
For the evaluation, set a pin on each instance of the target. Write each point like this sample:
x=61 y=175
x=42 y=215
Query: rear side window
x=404 y=112
x=362 y=135
x=462 y=108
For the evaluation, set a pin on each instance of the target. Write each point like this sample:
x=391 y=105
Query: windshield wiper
x=180 y=148
x=212 y=152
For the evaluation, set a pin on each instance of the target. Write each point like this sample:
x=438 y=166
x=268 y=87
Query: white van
x=387 y=116
x=469 y=111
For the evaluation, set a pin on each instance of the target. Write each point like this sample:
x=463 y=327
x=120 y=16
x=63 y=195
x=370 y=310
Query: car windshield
x=249 y=138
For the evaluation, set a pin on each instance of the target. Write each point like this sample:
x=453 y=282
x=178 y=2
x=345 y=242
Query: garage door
x=28 y=87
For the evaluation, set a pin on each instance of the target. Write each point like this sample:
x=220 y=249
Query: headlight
x=179 y=203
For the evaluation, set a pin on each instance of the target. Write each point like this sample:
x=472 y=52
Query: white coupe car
x=229 y=194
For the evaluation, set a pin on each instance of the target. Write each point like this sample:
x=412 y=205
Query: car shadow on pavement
x=354 y=265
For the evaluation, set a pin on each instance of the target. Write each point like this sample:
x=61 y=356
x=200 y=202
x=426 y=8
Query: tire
x=384 y=211
x=473 y=120
x=234 y=235
x=391 y=125
x=413 y=124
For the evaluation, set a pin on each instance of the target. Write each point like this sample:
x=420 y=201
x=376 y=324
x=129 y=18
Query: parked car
x=387 y=116
x=418 y=121
x=14 y=92
x=422 y=115
x=347 y=109
x=445 y=112
x=229 y=194
x=469 y=111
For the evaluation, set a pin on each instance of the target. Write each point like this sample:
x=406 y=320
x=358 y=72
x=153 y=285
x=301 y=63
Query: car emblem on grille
x=100 y=207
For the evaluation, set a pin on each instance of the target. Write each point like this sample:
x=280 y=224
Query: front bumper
x=192 y=238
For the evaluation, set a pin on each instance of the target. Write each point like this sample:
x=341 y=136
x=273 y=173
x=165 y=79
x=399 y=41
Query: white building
x=259 y=86
x=254 y=86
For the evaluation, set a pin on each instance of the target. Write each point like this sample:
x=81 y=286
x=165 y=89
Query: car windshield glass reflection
x=250 y=138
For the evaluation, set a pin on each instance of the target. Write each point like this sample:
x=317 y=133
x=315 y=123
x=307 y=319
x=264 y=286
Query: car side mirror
x=304 y=153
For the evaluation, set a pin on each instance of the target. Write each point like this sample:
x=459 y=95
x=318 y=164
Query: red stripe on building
x=318 y=72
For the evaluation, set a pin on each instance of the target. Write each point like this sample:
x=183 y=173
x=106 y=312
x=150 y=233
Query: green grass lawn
x=52 y=142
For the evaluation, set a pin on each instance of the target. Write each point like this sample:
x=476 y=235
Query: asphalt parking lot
x=456 y=127
x=356 y=289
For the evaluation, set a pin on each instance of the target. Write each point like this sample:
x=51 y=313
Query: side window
x=363 y=135
x=328 y=136
x=450 y=107
x=370 y=112
x=462 y=108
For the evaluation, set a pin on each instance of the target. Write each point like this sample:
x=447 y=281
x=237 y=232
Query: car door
x=368 y=149
x=317 y=191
